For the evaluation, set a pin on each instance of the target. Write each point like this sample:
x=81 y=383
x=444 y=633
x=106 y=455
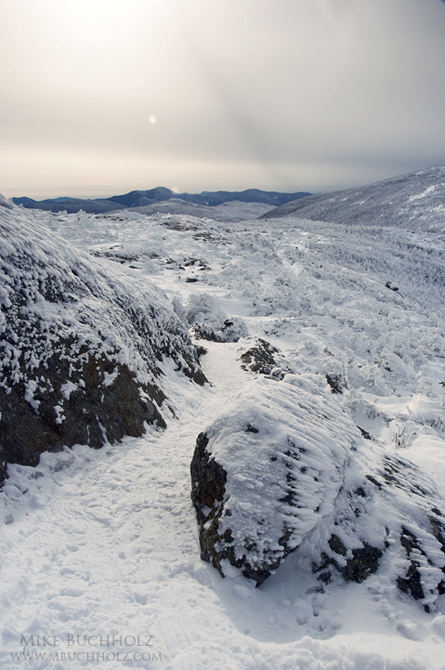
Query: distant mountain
x=272 y=198
x=411 y=201
x=142 y=198
x=159 y=194
x=70 y=205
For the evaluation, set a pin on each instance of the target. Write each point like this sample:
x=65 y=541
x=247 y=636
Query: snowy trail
x=105 y=543
x=113 y=551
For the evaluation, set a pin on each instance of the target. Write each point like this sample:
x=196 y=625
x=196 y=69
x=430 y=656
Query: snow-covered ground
x=100 y=549
x=228 y=211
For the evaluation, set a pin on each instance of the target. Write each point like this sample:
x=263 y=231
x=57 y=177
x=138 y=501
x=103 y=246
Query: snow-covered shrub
x=209 y=322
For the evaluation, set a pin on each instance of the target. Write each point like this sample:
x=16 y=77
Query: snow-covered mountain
x=162 y=195
x=415 y=201
x=312 y=462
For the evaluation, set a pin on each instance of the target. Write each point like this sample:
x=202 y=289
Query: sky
x=100 y=97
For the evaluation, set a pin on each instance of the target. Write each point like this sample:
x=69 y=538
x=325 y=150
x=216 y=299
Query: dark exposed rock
x=411 y=582
x=336 y=382
x=208 y=495
x=208 y=490
x=259 y=358
x=86 y=410
x=365 y=433
x=230 y=331
x=208 y=479
x=337 y=545
x=204 y=331
x=363 y=562
x=374 y=481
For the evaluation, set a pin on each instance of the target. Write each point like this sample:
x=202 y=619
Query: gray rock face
x=81 y=352
x=285 y=470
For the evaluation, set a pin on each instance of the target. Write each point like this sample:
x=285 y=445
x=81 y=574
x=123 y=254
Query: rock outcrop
x=82 y=348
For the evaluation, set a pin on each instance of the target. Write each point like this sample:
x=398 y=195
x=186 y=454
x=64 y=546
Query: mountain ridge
x=402 y=201
x=141 y=198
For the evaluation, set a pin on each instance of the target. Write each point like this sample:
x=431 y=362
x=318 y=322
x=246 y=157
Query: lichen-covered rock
x=82 y=348
x=284 y=469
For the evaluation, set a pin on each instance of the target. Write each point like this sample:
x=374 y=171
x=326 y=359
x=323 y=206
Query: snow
x=227 y=211
x=105 y=543
x=414 y=202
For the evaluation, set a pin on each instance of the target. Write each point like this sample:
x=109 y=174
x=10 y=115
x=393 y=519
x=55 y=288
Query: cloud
x=341 y=87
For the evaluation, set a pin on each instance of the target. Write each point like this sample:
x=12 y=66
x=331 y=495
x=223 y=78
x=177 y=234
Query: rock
x=81 y=349
x=204 y=331
x=260 y=358
x=284 y=469
x=230 y=331
x=278 y=475
x=336 y=382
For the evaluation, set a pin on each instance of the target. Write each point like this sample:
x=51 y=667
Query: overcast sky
x=99 y=97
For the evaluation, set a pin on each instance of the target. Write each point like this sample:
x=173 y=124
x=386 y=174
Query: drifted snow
x=106 y=542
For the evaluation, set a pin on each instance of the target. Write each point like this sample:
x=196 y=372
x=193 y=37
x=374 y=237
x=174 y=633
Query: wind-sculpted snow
x=283 y=468
x=414 y=201
x=81 y=350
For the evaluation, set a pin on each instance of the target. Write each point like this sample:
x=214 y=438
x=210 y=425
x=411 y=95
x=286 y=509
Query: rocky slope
x=81 y=352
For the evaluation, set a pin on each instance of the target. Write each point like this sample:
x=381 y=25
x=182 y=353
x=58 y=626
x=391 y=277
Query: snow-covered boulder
x=82 y=346
x=284 y=469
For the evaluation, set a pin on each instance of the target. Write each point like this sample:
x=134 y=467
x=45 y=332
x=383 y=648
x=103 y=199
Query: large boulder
x=82 y=348
x=284 y=469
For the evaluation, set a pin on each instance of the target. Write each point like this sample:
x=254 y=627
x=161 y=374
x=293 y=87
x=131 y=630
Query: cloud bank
x=105 y=95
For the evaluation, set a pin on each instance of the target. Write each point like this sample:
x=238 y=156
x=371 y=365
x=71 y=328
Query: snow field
x=106 y=543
